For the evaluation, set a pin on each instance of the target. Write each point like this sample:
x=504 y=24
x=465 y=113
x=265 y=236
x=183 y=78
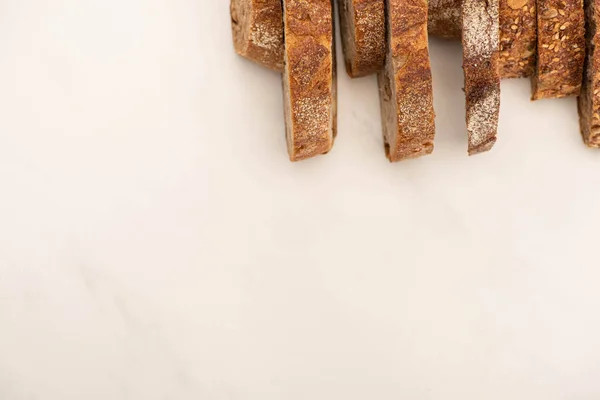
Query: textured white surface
x=155 y=243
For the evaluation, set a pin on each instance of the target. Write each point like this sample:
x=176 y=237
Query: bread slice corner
x=257 y=29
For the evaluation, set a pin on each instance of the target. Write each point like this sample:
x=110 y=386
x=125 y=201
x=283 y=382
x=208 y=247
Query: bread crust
x=589 y=99
x=444 y=18
x=405 y=84
x=363 y=36
x=260 y=39
x=518 y=38
x=518 y=32
x=480 y=63
x=310 y=86
x=561 y=48
x=257 y=28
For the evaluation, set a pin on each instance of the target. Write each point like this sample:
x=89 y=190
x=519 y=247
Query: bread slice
x=309 y=80
x=518 y=37
x=405 y=83
x=257 y=27
x=589 y=99
x=561 y=48
x=444 y=18
x=363 y=36
x=480 y=39
x=363 y=31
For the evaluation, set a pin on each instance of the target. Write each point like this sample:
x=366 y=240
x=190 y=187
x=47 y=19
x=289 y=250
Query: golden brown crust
x=257 y=29
x=309 y=77
x=405 y=83
x=589 y=99
x=518 y=38
x=518 y=32
x=480 y=63
x=363 y=30
x=444 y=18
x=561 y=44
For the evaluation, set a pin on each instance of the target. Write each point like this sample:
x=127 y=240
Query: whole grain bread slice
x=480 y=38
x=561 y=48
x=309 y=78
x=405 y=84
x=257 y=28
x=363 y=35
x=518 y=38
x=589 y=99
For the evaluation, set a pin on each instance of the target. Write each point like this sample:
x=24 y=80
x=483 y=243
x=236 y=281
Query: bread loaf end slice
x=257 y=28
x=309 y=80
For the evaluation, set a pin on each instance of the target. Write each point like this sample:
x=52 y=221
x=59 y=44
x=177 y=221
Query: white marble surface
x=155 y=243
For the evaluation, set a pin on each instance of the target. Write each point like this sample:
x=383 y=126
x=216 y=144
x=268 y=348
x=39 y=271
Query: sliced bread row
x=556 y=32
x=405 y=82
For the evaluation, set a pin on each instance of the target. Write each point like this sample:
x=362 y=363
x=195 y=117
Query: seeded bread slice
x=561 y=48
x=309 y=81
x=518 y=38
x=589 y=99
x=405 y=87
x=363 y=35
x=257 y=28
x=480 y=39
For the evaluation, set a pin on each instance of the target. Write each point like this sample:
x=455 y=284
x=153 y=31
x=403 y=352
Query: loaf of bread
x=589 y=99
x=363 y=36
x=480 y=39
x=561 y=49
x=257 y=27
x=405 y=85
x=444 y=18
x=518 y=36
x=309 y=81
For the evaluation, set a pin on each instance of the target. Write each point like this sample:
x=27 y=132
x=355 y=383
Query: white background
x=155 y=242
